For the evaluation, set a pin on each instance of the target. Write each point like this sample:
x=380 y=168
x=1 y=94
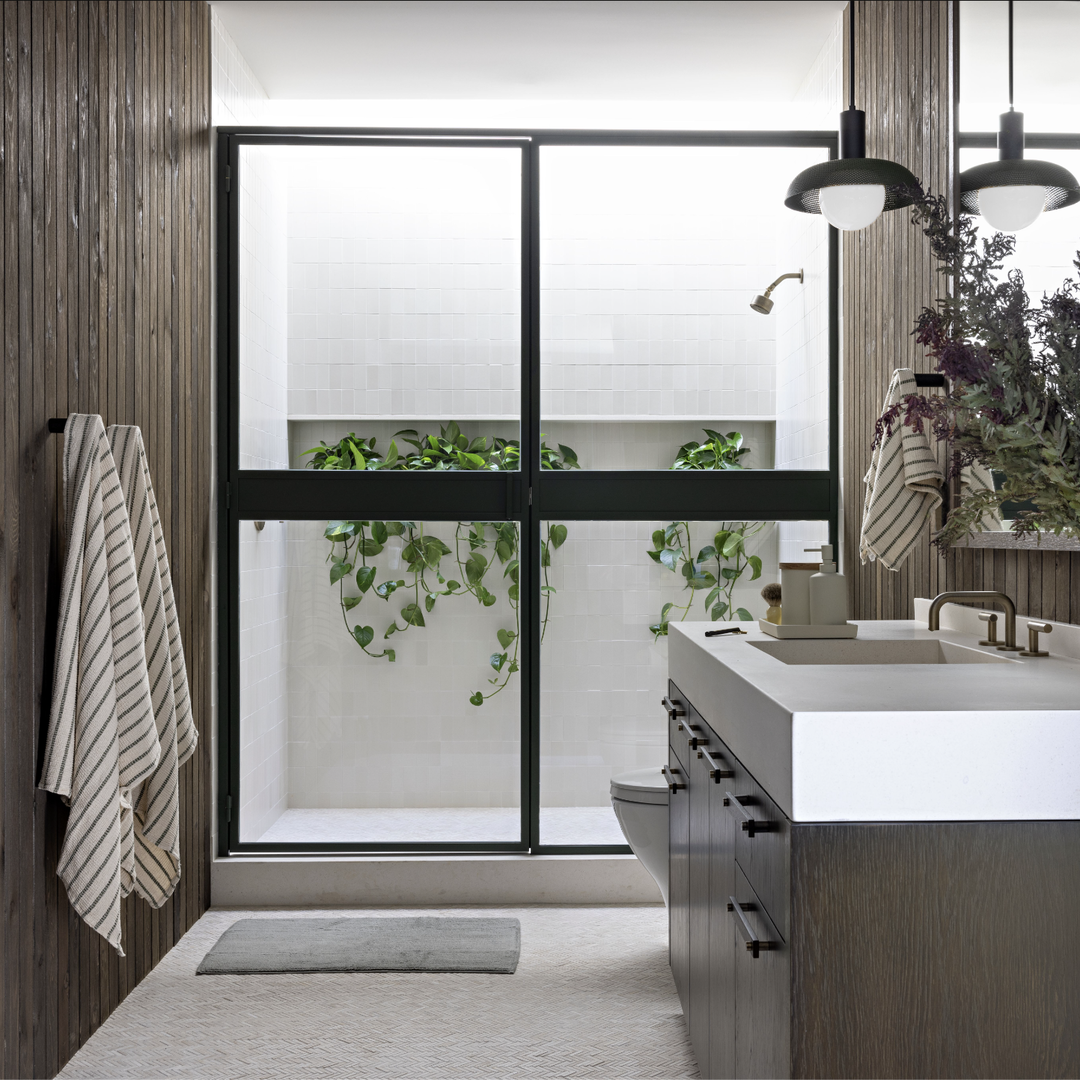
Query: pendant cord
x=1010 y=55
x=851 y=54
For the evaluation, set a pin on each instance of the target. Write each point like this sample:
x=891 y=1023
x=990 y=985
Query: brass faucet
x=969 y=597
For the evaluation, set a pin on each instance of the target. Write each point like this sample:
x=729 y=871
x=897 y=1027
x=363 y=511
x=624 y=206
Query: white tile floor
x=592 y=997
x=558 y=825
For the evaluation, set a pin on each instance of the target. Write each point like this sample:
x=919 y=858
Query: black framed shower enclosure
x=527 y=497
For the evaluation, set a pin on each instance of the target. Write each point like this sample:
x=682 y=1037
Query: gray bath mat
x=409 y=943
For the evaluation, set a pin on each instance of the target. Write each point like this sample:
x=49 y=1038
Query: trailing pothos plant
x=1012 y=402
x=478 y=546
x=718 y=567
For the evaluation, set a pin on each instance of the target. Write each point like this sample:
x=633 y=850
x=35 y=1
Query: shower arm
x=782 y=277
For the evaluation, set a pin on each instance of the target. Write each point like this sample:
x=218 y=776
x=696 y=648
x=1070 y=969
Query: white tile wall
x=404 y=274
x=604 y=675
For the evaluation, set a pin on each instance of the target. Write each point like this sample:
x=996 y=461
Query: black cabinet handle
x=672 y=783
x=750 y=824
x=754 y=945
x=673 y=708
x=697 y=739
x=718 y=770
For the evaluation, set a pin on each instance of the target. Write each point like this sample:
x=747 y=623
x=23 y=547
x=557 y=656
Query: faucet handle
x=1034 y=630
x=990 y=618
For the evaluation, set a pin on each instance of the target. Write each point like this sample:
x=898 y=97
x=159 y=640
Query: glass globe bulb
x=852 y=206
x=1009 y=209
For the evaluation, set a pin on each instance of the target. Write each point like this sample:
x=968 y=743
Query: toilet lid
x=641 y=785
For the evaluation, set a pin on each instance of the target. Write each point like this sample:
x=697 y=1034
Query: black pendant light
x=1012 y=191
x=853 y=190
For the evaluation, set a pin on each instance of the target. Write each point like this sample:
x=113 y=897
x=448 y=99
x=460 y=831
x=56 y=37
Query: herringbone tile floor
x=592 y=997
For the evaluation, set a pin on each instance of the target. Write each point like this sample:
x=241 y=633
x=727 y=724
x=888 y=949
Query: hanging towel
x=157 y=812
x=102 y=742
x=902 y=486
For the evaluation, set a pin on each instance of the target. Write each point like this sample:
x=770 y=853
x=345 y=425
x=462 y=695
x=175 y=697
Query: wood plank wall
x=104 y=307
x=906 y=80
x=902 y=81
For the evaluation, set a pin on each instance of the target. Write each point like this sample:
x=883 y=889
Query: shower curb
x=416 y=881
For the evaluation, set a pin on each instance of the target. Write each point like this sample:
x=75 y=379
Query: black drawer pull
x=718 y=770
x=672 y=708
x=750 y=824
x=695 y=740
x=754 y=945
x=672 y=783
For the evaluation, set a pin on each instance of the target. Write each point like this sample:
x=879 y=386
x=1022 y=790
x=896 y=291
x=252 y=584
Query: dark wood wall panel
x=104 y=307
x=906 y=79
x=902 y=73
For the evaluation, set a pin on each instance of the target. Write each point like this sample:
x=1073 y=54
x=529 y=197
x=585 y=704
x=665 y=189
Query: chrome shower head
x=762 y=304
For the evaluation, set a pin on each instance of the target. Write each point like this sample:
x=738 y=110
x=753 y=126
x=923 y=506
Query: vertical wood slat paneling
x=104 y=169
x=906 y=76
x=902 y=49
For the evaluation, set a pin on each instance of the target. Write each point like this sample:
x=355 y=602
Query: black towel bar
x=929 y=379
x=57 y=425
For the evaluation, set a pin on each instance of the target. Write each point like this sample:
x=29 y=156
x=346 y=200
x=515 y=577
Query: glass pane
x=650 y=257
x=379 y=291
x=341 y=742
x=604 y=668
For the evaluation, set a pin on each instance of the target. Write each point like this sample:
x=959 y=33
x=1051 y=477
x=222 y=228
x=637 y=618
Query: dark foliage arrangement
x=1013 y=369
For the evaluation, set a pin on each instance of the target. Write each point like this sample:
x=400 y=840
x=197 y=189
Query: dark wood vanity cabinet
x=865 y=949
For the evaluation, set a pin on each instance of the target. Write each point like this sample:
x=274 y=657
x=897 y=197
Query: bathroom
x=438 y=243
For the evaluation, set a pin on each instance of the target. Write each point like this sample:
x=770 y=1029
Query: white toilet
x=640 y=801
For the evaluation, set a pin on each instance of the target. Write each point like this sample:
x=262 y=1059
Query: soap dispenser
x=828 y=592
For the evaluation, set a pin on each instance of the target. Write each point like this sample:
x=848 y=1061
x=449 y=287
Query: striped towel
x=102 y=742
x=902 y=486
x=157 y=813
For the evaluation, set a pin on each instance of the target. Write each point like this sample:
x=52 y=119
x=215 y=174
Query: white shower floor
x=426 y=825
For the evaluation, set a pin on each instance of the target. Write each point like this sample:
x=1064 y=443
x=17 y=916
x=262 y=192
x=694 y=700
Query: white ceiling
x=552 y=50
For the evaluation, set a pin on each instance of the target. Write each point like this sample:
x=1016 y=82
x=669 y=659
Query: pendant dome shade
x=804 y=192
x=1013 y=171
x=883 y=185
x=1061 y=186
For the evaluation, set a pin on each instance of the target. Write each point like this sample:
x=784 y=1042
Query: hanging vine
x=478 y=547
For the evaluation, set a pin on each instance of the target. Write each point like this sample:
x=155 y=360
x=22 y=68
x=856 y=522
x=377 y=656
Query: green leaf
x=659 y=629
x=732 y=544
x=719 y=611
x=412 y=614
x=744 y=615
x=395 y=528
x=349 y=602
x=429 y=601
x=391 y=629
x=339 y=530
x=386 y=588
x=496 y=660
x=654 y=555
x=545 y=553
x=476 y=699
x=363 y=635
x=557 y=535
x=664 y=612
x=720 y=539
x=452 y=585
x=505 y=637
x=712 y=596
x=390 y=655
x=487 y=598
x=370 y=547
x=339 y=570
x=730 y=573
x=475 y=566
x=659 y=540
x=513 y=593
x=379 y=531
x=670 y=557
x=755 y=562
x=364 y=577
x=706 y=553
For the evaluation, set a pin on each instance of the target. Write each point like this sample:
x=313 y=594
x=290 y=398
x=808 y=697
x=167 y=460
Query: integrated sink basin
x=901 y=651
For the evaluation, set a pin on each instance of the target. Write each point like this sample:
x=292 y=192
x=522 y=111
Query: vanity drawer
x=762 y=846
x=679 y=712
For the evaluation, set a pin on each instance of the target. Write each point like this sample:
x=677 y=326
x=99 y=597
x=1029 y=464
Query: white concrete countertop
x=992 y=740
